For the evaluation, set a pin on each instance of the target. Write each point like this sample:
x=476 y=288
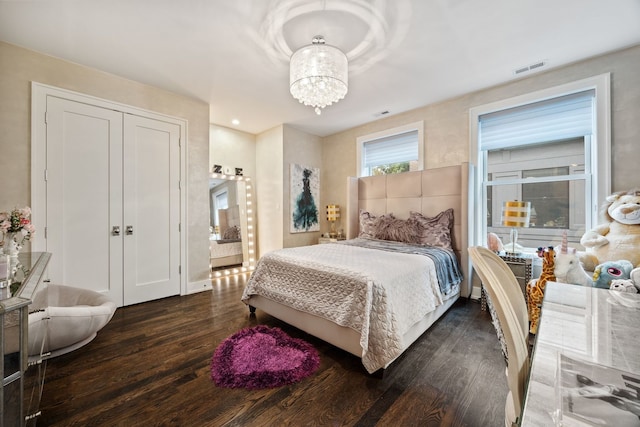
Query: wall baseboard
x=475 y=293
x=199 y=286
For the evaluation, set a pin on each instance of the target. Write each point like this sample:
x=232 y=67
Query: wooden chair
x=509 y=304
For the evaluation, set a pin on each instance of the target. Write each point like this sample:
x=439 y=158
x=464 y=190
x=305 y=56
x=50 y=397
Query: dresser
x=22 y=376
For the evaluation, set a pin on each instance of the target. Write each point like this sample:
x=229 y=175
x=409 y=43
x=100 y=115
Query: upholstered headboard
x=428 y=192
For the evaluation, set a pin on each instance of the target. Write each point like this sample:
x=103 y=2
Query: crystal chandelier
x=318 y=74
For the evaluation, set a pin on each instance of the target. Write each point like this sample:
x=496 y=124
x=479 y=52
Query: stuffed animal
x=623 y=285
x=494 y=243
x=609 y=271
x=535 y=288
x=619 y=237
x=568 y=268
x=635 y=276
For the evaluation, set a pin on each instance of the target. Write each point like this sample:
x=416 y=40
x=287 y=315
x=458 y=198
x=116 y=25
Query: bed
x=374 y=294
x=227 y=250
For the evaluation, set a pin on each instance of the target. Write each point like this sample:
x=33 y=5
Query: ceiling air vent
x=529 y=68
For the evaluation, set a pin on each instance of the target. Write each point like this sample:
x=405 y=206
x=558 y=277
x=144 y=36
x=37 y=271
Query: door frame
x=39 y=94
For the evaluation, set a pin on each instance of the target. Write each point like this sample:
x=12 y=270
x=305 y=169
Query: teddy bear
x=631 y=285
x=619 y=236
x=623 y=285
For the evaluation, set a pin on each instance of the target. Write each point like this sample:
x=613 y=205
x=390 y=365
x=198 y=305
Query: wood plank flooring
x=150 y=366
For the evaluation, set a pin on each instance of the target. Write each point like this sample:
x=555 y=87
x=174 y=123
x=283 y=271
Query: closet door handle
x=129 y=230
x=115 y=230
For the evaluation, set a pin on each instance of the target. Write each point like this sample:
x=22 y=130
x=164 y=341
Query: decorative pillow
x=389 y=227
x=367 y=225
x=444 y=217
x=435 y=231
x=231 y=233
x=435 y=235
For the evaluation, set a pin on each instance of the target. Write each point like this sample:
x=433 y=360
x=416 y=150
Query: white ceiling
x=233 y=54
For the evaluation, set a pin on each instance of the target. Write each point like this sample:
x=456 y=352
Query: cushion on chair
x=70 y=317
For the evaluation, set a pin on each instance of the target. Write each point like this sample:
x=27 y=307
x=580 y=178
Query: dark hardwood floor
x=150 y=366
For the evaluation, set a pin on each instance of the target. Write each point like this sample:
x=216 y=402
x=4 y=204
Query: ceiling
x=403 y=54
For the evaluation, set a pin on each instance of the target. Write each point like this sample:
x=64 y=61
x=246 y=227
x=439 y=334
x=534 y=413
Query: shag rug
x=262 y=357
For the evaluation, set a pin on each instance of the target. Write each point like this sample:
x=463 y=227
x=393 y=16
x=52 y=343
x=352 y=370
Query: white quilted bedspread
x=379 y=294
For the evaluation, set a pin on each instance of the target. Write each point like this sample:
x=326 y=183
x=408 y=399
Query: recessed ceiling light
x=235 y=122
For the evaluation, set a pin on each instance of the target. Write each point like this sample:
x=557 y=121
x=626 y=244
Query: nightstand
x=521 y=266
x=330 y=239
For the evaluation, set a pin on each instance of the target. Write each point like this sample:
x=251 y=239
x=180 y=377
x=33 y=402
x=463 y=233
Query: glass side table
x=17 y=407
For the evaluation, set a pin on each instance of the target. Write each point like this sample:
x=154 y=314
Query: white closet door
x=152 y=209
x=84 y=196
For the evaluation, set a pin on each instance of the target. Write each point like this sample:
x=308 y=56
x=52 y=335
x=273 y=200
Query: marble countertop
x=585 y=324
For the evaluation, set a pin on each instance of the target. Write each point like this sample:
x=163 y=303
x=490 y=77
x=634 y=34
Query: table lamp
x=333 y=213
x=515 y=214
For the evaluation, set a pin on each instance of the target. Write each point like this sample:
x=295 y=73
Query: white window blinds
x=559 y=118
x=391 y=149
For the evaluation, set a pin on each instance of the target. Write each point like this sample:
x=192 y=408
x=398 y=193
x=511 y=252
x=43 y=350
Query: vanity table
x=597 y=330
x=22 y=377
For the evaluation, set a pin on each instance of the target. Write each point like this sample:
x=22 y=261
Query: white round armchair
x=69 y=317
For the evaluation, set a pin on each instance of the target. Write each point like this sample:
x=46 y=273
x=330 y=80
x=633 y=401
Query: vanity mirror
x=231 y=231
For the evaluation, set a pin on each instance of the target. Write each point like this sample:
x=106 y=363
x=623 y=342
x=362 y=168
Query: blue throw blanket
x=447 y=267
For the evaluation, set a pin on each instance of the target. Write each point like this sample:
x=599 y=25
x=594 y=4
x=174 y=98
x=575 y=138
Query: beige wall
x=446 y=124
x=269 y=186
x=303 y=149
x=231 y=147
x=276 y=150
x=19 y=67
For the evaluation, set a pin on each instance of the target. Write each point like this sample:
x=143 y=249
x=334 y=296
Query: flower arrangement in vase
x=16 y=228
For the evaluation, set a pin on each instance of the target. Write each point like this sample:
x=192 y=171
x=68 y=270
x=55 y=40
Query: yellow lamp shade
x=333 y=213
x=516 y=213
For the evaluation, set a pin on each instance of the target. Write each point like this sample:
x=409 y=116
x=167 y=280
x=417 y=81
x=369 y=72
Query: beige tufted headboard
x=429 y=192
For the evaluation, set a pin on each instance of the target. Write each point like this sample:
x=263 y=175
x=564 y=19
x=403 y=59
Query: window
x=220 y=201
x=392 y=151
x=549 y=148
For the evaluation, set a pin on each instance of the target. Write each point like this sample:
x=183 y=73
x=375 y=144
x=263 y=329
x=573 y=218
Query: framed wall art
x=305 y=196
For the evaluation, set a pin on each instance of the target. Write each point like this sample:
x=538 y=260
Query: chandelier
x=318 y=74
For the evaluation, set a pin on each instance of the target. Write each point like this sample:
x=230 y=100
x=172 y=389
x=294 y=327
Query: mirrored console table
x=20 y=392
x=522 y=266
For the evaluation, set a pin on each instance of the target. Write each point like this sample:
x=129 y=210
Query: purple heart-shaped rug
x=262 y=357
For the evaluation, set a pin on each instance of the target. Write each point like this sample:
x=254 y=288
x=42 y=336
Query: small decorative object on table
x=16 y=228
x=494 y=243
